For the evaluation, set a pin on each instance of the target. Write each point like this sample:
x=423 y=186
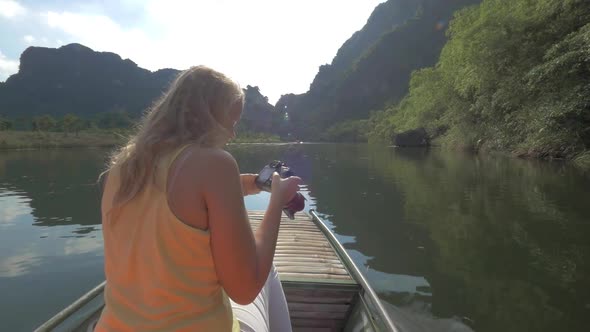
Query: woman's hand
x=249 y=186
x=283 y=190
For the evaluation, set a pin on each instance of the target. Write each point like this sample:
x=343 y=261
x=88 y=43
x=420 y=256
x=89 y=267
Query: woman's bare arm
x=242 y=259
x=249 y=184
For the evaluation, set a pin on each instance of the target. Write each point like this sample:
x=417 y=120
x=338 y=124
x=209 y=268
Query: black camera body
x=264 y=179
x=264 y=182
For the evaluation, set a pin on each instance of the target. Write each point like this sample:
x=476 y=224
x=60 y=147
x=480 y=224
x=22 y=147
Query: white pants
x=268 y=312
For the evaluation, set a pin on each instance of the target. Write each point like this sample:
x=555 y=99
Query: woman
x=177 y=238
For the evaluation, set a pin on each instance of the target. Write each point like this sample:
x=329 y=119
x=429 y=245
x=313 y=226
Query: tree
x=22 y=123
x=5 y=124
x=347 y=131
x=71 y=123
x=44 y=123
x=117 y=118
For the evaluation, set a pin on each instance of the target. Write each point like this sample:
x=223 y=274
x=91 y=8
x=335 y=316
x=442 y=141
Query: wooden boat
x=325 y=290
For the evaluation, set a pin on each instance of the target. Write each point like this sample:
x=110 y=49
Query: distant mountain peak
x=76 y=47
x=76 y=79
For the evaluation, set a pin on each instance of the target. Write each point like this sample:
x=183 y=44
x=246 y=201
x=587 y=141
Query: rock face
x=373 y=68
x=412 y=138
x=76 y=79
x=258 y=115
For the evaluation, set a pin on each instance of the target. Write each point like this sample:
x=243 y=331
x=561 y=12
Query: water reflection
x=509 y=246
x=13 y=207
x=23 y=248
x=44 y=268
x=46 y=188
x=60 y=184
x=18 y=264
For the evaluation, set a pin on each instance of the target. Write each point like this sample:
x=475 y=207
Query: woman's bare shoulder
x=211 y=159
x=196 y=172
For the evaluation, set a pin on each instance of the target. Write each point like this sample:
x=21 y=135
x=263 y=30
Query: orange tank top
x=160 y=272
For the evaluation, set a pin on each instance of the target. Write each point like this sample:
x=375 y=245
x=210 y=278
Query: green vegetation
x=347 y=131
x=69 y=123
x=15 y=140
x=253 y=137
x=5 y=124
x=514 y=76
x=12 y=139
x=583 y=160
x=46 y=132
x=104 y=130
x=44 y=123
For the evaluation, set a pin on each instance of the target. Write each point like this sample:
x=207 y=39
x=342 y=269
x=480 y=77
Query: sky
x=277 y=45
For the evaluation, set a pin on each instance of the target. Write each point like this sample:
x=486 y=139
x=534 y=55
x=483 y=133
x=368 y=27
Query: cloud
x=102 y=33
x=29 y=39
x=13 y=205
x=11 y=9
x=17 y=265
x=7 y=67
x=83 y=245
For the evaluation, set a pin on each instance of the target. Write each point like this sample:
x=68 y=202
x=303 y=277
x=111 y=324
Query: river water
x=452 y=241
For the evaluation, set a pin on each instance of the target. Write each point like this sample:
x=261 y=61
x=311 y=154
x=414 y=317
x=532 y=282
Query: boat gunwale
x=355 y=272
x=66 y=313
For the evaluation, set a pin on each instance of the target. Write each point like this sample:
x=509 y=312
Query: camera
x=264 y=182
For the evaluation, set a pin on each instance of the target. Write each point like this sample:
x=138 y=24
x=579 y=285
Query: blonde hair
x=190 y=112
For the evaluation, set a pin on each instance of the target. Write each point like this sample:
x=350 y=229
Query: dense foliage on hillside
x=373 y=68
x=515 y=75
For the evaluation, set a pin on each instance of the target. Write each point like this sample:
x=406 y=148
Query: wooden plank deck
x=303 y=252
x=319 y=289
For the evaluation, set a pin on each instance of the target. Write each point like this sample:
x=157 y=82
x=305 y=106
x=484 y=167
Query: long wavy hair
x=190 y=112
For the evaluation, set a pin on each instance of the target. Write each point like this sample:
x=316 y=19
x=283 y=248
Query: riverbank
x=94 y=138
x=579 y=159
x=18 y=140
